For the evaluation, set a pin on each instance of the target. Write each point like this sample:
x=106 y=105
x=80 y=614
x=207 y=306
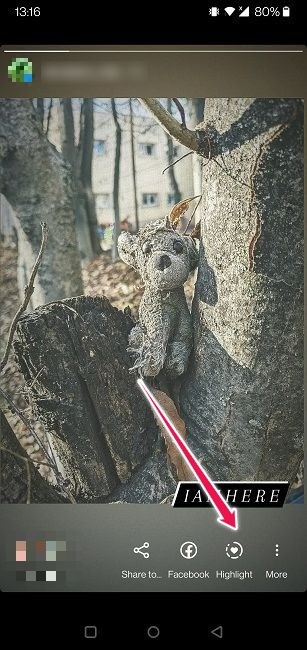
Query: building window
x=146 y=148
x=170 y=199
x=99 y=147
x=103 y=201
x=149 y=200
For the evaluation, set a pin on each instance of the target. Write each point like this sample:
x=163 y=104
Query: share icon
x=138 y=549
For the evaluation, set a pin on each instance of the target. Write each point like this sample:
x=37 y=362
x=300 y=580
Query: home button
x=153 y=631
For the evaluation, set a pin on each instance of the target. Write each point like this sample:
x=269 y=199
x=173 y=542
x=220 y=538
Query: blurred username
x=63 y=71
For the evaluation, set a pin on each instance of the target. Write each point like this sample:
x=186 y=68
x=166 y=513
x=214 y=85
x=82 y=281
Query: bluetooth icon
x=188 y=550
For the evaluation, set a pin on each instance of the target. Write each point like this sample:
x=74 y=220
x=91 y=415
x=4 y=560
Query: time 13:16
x=27 y=11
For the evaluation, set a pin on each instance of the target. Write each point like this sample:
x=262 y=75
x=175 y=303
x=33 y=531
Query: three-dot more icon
x=188 y=550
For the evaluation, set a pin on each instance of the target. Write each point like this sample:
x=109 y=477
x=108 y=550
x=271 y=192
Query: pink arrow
x=228 y=517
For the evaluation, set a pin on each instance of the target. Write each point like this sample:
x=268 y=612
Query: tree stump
x=73 y=356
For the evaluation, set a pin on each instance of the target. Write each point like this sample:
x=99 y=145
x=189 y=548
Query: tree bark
x=196 y=107
x=170 y=159
x=86 y=161
x=102 y=430
x=135 y=193
x=242 y=398
x=20 y=481
x=74 y=157
x=118 y=136
x=49 y=116
x=40 y=110
x=37 y=183
x=67 y=129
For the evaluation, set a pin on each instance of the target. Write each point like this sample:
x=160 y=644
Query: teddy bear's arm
x=180 y=344
x=148 y=339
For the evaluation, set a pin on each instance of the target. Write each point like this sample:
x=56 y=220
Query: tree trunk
x=86 y=155
x=67 y=129
x=89 y=403
x=37 y=183
x=49 y=116
x=170 y=159
x=196 y=115
x=242 y=399
x=69 y=151
x=20 y=482
x=135 y=194
x=118 y=135
x=40 y=110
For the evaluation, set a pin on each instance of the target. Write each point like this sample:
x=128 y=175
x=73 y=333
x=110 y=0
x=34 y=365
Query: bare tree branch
x=28 y=293
x=186 y=137
x=50 y=463
x=18 y=470
x=181 y=111
x=31 y=430
x=176 y=161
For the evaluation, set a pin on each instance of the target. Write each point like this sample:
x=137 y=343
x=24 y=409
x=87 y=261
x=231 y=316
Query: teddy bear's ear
x=178 y=211
x=192 y=251
x=127 y=248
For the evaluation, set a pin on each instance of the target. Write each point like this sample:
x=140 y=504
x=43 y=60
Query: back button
x=217 y=632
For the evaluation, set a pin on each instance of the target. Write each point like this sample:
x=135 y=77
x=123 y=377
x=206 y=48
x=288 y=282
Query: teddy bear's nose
x=163 y=262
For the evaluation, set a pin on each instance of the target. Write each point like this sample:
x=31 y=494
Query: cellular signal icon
x=244 y=13
x=229 y=10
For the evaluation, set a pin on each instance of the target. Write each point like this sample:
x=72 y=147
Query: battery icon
x=286 y=12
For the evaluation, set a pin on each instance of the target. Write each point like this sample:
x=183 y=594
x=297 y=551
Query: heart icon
x=234 y=550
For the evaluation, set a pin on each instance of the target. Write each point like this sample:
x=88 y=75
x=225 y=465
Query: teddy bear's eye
x=147 y=248
x=178 y=246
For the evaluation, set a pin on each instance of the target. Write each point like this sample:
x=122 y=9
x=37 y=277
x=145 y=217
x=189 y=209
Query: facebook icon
x=188 y=550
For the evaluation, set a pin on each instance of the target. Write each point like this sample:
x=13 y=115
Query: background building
x=154 y=190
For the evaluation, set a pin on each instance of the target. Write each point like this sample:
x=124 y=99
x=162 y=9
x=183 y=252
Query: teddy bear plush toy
x=163 y=337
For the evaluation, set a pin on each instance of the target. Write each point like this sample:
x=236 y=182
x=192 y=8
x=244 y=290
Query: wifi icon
x=229 y=10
